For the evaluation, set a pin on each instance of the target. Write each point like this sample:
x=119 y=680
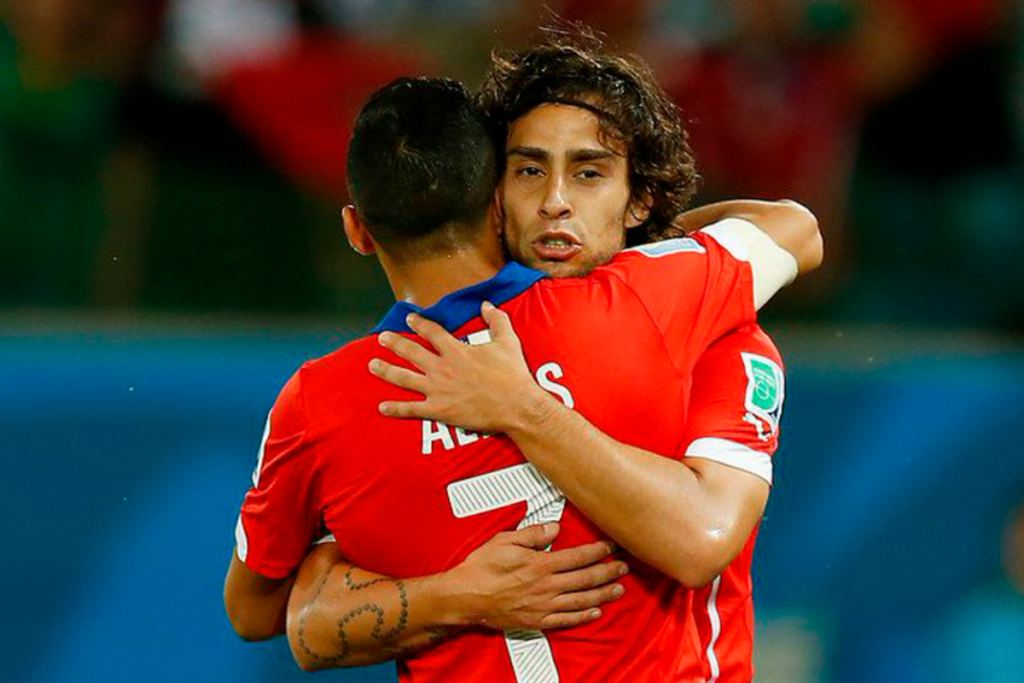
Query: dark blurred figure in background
x=770 y=90
x=130 y=176
x=118 y=192
x=63 y=164
x=892 y=118
x=295 y=94
x=937 y=204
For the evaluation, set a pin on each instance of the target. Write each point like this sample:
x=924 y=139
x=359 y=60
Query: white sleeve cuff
x=772 y=266
x=734 y=455
x=241 y=540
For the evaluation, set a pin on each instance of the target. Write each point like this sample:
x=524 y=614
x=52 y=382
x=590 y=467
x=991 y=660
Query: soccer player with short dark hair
x=326 y=457
x=425 y=200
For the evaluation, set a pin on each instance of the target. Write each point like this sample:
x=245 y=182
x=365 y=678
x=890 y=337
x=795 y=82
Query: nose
x=556 y=205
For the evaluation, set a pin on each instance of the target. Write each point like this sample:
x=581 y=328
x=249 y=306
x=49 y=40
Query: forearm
x=655 y=507
x=788 y=223
x=687 y=519
x=255 y=605
x=340 y=615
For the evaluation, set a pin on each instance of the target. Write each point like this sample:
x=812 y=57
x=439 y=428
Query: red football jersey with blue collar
x=414 y=497
x=735 y=408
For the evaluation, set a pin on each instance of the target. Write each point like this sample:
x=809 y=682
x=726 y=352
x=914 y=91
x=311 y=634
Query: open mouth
x=556 y=246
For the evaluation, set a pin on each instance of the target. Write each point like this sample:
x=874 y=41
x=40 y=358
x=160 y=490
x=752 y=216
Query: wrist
x=531 y=412
x=447 y=600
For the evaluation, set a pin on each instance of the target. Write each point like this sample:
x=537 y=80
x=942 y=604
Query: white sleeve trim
x=262 y=452
x=329 y=538
x=772 y=266
x=715 y=619
x=734 y=455
x=241 y=540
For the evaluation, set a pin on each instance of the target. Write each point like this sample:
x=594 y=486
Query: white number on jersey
x=532 y=661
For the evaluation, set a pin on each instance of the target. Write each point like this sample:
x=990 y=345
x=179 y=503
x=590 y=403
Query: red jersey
x=735 y=407
x=414 y=497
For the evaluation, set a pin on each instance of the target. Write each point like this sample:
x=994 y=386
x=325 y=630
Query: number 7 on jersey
x=532 y=661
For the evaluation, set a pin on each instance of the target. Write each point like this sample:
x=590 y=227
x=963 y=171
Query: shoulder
x=344 y=360
x=323 y=380
x=743 y=363
x=682 y=264
x=748 y=339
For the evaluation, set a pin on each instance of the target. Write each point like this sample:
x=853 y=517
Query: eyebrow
x=576 y=155
x=536 y=153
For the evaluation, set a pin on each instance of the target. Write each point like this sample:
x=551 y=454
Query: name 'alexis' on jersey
x=439 y=434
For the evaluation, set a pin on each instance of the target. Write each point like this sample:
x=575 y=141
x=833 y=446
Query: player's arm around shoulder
x=699 y=287
x=779 y=240
x=790 y=226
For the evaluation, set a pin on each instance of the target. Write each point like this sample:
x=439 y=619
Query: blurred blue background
x=171 y=173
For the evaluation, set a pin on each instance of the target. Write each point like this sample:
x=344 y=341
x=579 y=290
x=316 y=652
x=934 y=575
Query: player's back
x=409 y=498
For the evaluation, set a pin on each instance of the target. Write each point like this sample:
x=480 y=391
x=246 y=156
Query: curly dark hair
x=571 y=67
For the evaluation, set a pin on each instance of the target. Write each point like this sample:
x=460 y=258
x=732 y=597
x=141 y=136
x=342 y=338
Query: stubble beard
x=578 y=267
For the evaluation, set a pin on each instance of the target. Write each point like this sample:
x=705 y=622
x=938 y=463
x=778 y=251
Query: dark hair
x=422 y=168
x=570 y=67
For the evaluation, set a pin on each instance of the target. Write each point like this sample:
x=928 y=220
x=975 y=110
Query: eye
x=590 y=174
x=529 y=171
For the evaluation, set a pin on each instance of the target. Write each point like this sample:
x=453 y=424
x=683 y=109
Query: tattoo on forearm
x=385 y=638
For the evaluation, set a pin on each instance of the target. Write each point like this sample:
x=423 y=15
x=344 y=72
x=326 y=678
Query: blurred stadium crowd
x=189 y=154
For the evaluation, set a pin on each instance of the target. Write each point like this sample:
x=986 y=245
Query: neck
x=424 y=282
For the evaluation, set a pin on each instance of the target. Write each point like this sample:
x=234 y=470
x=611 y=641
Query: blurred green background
x=171 y=177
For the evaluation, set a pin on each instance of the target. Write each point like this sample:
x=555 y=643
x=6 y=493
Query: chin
x=561 y=269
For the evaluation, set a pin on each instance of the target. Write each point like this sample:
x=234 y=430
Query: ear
x=498 y=212
x=355 y=230
x=638 y=211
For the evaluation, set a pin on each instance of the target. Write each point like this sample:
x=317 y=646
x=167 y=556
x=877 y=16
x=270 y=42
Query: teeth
x=557 y=242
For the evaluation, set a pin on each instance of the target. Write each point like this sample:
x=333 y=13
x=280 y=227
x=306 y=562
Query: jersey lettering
x=546 y=374
x=435 y=432
x=465 y=438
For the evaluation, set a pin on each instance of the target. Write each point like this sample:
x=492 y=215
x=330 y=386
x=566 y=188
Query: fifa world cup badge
x=765 y=394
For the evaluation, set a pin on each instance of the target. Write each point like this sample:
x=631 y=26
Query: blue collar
x=458 y=308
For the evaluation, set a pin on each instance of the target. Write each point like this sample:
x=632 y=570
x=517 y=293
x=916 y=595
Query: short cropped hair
x=422 y=167
x=571 y=67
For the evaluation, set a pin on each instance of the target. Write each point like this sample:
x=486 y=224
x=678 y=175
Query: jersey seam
x=661 y=335
x=664 y=343
x=650 y=316
x=647 y=311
